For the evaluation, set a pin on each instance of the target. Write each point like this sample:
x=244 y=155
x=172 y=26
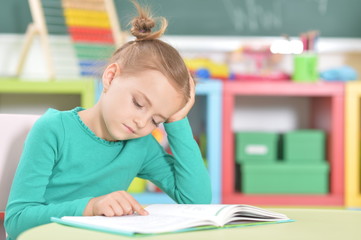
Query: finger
x=117 y=208
x=107 y=211
x=136 y=206
x=126 y=207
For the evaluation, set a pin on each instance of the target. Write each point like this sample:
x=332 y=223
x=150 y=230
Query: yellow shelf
x=352 y=144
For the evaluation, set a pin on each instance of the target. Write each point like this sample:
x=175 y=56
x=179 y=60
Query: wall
x=217 y=17
x=333 y=52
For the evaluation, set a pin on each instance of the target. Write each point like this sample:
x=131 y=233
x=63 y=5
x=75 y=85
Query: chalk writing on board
x=322 y=6
x=253 y=16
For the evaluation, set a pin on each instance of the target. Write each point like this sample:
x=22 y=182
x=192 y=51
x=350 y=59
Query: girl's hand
x=185 y=110
x=114 y=204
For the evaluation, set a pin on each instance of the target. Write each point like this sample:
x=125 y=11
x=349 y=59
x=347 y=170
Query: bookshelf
x=34 y=97
x=326 y=112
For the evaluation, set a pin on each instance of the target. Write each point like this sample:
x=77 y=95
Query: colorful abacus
x=94 y=30
x=91 y=28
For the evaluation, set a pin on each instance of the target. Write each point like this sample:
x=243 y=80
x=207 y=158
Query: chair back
x=13 y=131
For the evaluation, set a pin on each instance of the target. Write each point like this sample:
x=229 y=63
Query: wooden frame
x=352 y=145
x=328 y=100
x=86 y=88
x=38 y=28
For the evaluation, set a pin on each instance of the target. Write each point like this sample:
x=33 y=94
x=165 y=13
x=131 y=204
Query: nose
x=140 y=121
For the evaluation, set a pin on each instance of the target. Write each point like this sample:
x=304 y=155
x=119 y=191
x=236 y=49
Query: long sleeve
x=182 y=175
x=27 y=206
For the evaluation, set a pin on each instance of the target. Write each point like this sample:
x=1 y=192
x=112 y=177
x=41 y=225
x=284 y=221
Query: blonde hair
x=147 y=52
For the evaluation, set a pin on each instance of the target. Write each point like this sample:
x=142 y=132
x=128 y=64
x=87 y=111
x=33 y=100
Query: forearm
x=191 y=178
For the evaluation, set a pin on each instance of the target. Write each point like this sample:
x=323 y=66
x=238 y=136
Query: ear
x=109 y=74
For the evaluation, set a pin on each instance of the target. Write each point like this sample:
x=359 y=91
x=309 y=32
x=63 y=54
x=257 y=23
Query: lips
x=129 y=129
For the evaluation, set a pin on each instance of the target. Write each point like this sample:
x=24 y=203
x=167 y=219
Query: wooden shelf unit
x=353 y=145
x=327 y=100
x=83 y=87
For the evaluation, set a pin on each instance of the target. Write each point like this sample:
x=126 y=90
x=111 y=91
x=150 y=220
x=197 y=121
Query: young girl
x=81 y=162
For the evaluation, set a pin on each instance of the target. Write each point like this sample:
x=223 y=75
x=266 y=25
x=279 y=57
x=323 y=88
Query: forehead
x=163 y=96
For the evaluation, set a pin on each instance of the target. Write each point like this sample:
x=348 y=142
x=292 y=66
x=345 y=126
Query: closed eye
x=155 y=123
x=136 y=103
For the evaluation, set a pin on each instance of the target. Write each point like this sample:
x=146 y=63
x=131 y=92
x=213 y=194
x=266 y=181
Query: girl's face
x=132 y=106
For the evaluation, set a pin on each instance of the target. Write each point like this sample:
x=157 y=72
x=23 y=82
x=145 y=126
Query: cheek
x=148 y=130
x=117 y=106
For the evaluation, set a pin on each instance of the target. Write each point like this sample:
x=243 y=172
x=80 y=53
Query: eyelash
x=140 y=107
x=136 y=103
x=155 y=123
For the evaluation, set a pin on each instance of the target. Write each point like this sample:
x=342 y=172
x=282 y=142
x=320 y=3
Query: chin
x=122 y=137
x=117 y=137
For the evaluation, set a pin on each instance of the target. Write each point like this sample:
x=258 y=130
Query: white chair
x=13 y=131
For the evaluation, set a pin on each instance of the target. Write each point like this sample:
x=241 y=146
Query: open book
x=177 y=217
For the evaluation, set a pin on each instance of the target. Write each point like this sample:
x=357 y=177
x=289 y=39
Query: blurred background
x=277 y=115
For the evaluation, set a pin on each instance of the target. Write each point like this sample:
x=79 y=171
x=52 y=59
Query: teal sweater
x=64 y=164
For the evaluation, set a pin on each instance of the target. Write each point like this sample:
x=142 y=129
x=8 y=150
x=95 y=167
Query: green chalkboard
x=333 y=18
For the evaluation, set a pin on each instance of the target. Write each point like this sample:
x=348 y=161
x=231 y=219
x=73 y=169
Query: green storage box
x=260 y=147
x=284 y=178
x=304 y=146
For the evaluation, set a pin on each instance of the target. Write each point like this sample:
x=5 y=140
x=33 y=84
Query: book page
x=152 y=223
x=255 y=214
x=192 y=210
x=220 y=214
x=173 y=217
x=252 y=211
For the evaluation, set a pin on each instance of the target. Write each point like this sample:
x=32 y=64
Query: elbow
x=200 y=197
x=15 y=222
x=10 y=227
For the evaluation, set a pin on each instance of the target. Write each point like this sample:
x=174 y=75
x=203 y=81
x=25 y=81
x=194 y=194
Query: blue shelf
x=212 y=89
x=151 y=198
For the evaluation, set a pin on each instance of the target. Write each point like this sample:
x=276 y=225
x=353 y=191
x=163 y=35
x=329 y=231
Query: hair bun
x=142 y=24
x=142 y=27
